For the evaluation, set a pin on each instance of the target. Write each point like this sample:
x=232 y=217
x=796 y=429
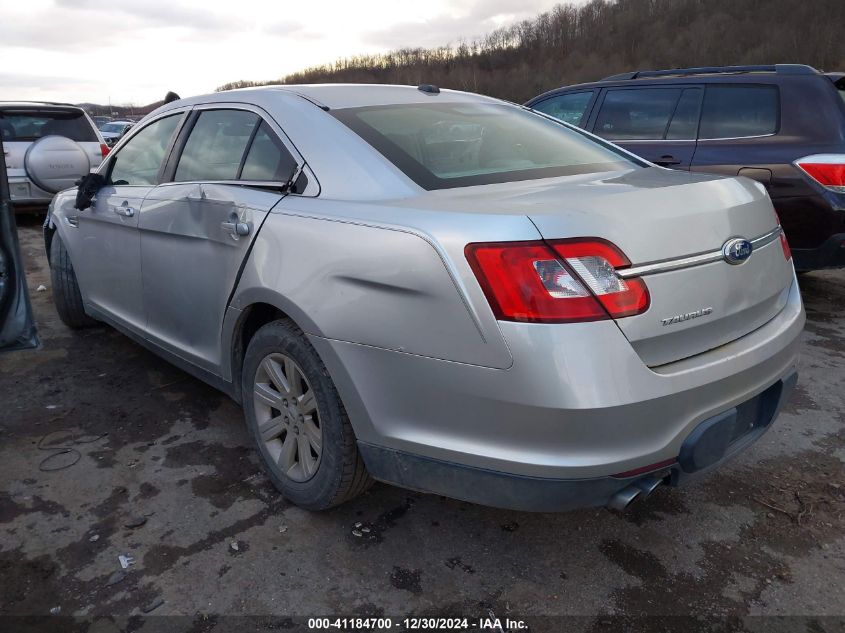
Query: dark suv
x=782 y=125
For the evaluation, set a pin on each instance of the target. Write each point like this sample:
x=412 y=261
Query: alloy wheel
x=287 y=417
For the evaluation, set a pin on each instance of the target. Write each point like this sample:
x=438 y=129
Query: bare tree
x=571 y=44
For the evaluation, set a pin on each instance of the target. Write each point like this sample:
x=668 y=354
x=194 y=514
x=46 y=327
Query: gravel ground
x=165 y=474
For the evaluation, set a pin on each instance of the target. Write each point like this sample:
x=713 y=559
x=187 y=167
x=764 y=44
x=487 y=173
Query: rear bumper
x=576 y=407
x=831 y=254
x=711 y=443
x=26 y=197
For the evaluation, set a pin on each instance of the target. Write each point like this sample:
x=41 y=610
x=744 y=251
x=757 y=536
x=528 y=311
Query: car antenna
x=170 y=97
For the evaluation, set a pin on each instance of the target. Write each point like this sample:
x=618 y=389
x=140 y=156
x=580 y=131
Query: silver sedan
x=438 y=290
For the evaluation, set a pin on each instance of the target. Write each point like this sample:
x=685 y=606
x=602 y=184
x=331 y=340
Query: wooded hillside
x=574 y=43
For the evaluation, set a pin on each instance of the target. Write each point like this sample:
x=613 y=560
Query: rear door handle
x=125 y=211
x=667 y=160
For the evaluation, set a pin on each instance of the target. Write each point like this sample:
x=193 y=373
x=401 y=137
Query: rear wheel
x=66 y=295
x=297 y=420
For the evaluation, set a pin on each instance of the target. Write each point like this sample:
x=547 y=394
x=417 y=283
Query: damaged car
x=438 y=290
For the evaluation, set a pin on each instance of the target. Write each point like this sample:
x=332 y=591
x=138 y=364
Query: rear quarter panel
x=370 y=283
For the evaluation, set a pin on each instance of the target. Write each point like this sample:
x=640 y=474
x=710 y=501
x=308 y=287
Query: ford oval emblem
x=737 y=250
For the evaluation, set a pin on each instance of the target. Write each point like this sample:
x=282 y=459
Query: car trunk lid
x=674 y=229
x=663 y=218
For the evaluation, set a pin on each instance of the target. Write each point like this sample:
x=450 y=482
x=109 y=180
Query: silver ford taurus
x=438 y=290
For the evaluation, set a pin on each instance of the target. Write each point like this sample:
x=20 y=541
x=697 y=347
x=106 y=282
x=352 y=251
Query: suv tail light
x=104 y=149
x=826 y=169
x=562 y=281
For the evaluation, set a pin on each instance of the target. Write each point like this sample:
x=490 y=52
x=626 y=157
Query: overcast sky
x=134 y=51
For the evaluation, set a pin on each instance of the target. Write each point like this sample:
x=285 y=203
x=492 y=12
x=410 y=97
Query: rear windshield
x=445 y=145
x=113 y=127
x=31 y=126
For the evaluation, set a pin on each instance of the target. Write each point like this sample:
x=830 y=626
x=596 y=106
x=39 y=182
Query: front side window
x=568 y=107
x=636 y=114
x=268 y=159
x=138 y=162
x=216 y=146
x=443 y=145
x=735 y=111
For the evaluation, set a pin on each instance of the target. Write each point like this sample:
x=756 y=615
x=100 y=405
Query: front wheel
x=66 y=295
x=297 y=420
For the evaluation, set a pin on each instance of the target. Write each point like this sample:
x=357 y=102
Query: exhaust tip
x=648 y=485
x=622 y=499
x=640 y=489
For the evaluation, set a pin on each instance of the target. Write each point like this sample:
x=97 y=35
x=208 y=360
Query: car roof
x=37 y=104
x=338 y=96
x=707 y=74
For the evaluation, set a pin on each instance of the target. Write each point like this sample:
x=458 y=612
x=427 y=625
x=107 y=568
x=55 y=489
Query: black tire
x=66 y=295
x=340 y=474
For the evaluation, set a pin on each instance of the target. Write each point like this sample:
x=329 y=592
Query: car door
x=658 y=123
x=738 y=133
x=105 y=240
x=17 y=327
x=230 y=169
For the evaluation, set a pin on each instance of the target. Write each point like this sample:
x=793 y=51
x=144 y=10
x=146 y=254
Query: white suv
x=47 y=147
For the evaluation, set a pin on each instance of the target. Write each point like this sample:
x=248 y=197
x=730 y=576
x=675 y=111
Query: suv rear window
x=736 y=111
x=17 y=125
x=444 y=145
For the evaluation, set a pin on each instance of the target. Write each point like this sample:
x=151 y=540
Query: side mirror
x=88 y=186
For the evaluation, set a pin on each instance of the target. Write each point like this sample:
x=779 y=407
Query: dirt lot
x=763 y=536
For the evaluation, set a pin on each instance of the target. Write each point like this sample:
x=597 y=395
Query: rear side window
x=268 y=159
x=684 y=125
x=735 y=111
x=138 y=162
x=568 y=107
x=639 y=113
x=216 y=146
x=31 y=126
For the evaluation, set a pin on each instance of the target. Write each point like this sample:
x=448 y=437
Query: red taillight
x=784 y=244
x=826 y=169
x=104 y=149
x=595 y=261
x=560 y=282
x=787 y=252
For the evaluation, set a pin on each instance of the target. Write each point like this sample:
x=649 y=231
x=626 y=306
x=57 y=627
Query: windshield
x=31 y=126
x=444 y=145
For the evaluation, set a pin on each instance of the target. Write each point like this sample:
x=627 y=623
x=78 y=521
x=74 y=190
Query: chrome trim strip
x=686 y=140
x=771 y=236
x=693 y=260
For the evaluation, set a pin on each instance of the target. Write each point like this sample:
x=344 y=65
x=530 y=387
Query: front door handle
x=124 y=210
x=667 y=160
x=235 y=227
